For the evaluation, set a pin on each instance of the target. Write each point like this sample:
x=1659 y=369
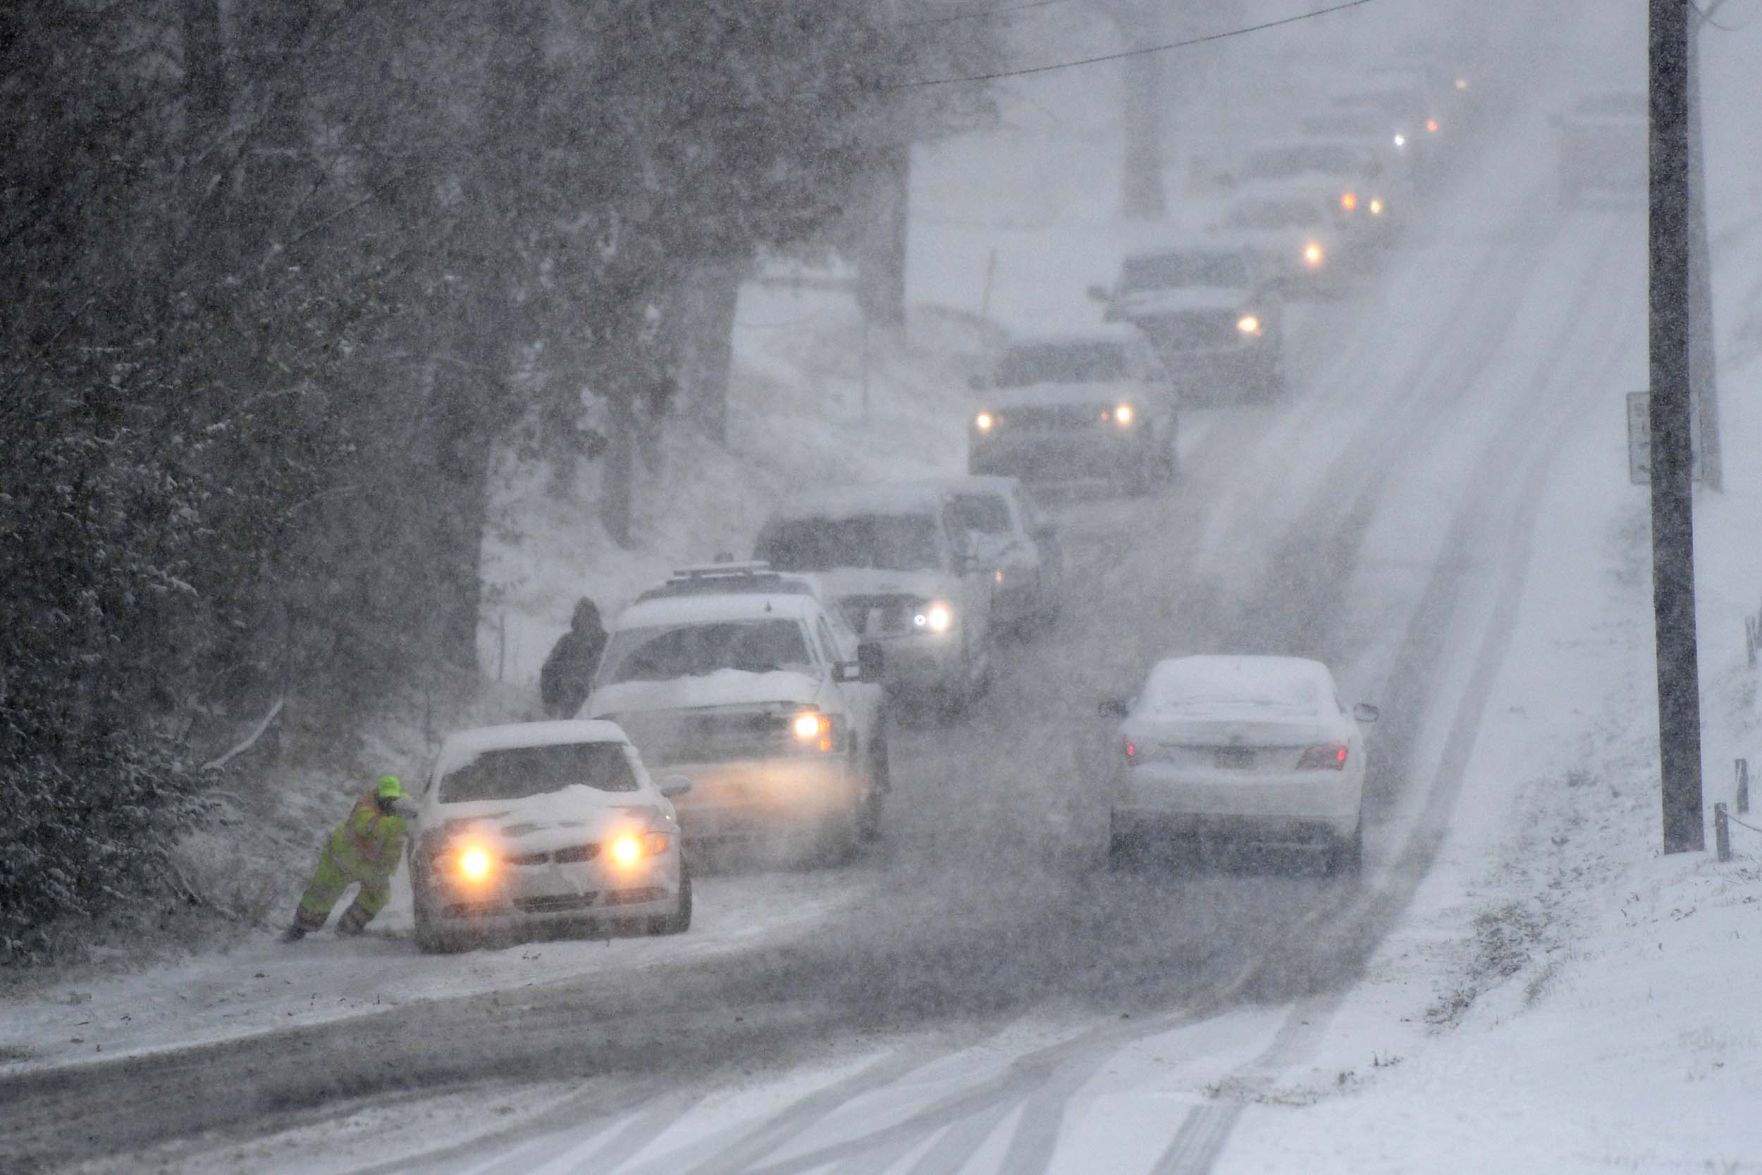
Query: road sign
x=1639 y=440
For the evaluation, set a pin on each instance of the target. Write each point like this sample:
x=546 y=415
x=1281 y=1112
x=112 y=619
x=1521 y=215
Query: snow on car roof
x=1221 y=680
x=892 y=497
x=706 y=609
x=462 y=746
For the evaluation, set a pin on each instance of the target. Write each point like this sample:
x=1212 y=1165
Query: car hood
x=543 y=823
x=865 y=581
x=725 y=687
x=1059 y=395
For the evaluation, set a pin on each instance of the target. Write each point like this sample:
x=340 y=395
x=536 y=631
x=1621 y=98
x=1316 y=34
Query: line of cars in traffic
x=759 y=693
x=748 y=703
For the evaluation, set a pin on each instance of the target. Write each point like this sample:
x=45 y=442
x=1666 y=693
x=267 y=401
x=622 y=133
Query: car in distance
x=743 y=680
x=1096 y=405
x=1296 y=235
x=1240 y=748
x=1211 y=314
x=1014 y=536
x=543 y=824
x=902 y=569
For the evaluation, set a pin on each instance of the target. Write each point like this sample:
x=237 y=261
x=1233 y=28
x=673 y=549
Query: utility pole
x=1671 y=407
x=1703 y=361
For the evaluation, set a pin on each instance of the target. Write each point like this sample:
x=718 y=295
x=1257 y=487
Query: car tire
x=1346 y=858
x=679 y=921
x=880 y=783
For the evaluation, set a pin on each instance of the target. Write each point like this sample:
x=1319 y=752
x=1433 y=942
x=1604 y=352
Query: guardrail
x=1723 y=819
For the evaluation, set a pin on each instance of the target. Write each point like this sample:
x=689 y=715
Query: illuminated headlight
x=1461 y=84
x=1123 y=415
x=1248 y=324
x=1349 y=200
x=935 y=618
x=631 y=848
x=475 y=863
x=1400 y=140
x=809 y=725
x=997 y=577
x=984 y=421
x=1376 y=206
x=1313 y=255
x=1431 y=126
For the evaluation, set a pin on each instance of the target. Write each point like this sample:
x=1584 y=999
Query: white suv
x=902 y=567
x=739 y=678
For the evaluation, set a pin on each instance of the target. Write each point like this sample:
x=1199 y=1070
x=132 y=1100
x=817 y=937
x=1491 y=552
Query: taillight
x=1131 y=749
x=1323 y=757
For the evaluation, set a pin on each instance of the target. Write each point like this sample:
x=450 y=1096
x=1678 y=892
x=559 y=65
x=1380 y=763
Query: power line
x=984 y=14
x=1124 y=53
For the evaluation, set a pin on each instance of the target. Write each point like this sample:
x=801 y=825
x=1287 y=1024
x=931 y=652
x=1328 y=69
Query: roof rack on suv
x=720 y=579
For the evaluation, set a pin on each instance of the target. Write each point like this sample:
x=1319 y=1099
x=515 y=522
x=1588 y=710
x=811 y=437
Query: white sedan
x=1252 y=748
x=545 y=823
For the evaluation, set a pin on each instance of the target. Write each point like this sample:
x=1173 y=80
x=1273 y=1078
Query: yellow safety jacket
x=368 y=842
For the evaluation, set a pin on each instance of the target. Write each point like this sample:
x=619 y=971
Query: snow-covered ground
x=1555 y=996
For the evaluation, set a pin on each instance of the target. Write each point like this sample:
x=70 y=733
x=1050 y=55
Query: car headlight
x=1376 y=206
x=1431 y=126
x=474 y=863
x=1123 y=415
x=1400 y=140
x=1349 y=200
x=984 y=421
x=1248 y=324
x=1313 y=254
x=936 y=617
x=632 y=848
x=1462 y=83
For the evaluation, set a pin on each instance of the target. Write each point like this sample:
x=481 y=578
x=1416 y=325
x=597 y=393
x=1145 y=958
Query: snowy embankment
x=1561 y=996
x=797 y=418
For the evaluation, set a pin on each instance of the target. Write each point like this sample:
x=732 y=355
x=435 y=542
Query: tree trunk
x=881 y=239
x=1141 y=183
x=708 y=297
x=617 y=473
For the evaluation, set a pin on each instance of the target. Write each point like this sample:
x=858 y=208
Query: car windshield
x=885 y=542
x=1287 y=161
x=667 y=652
x=1275 y=214
x=1061 y=363
x=984 y=513
x=1174 y=271
x=514 y=773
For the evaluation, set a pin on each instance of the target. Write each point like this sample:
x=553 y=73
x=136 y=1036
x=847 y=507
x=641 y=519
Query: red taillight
x=1324 y=757
x=1131 y=753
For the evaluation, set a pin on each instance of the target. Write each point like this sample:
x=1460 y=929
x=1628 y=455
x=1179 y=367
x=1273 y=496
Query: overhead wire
x=1142 y=51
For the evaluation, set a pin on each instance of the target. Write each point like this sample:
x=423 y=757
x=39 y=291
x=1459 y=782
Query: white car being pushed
x=543 y=823
x=1239 y=747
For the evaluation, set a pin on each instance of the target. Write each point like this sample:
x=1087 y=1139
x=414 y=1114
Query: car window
x=1169 y=271
x=663 y=653
x=885 y=542
x=1027 y=364
x=985 y=513
x=828 y=643
x=515 y=773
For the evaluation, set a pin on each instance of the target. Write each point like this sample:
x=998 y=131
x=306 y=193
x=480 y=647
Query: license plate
x=1235 y=757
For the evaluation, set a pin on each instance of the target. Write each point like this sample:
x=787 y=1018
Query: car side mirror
x=1099 y=294
x=675 y=785
x=1114 y=708
x=1365 y=713
x=871 y=662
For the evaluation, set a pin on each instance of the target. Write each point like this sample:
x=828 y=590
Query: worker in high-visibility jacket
x=364 y=849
